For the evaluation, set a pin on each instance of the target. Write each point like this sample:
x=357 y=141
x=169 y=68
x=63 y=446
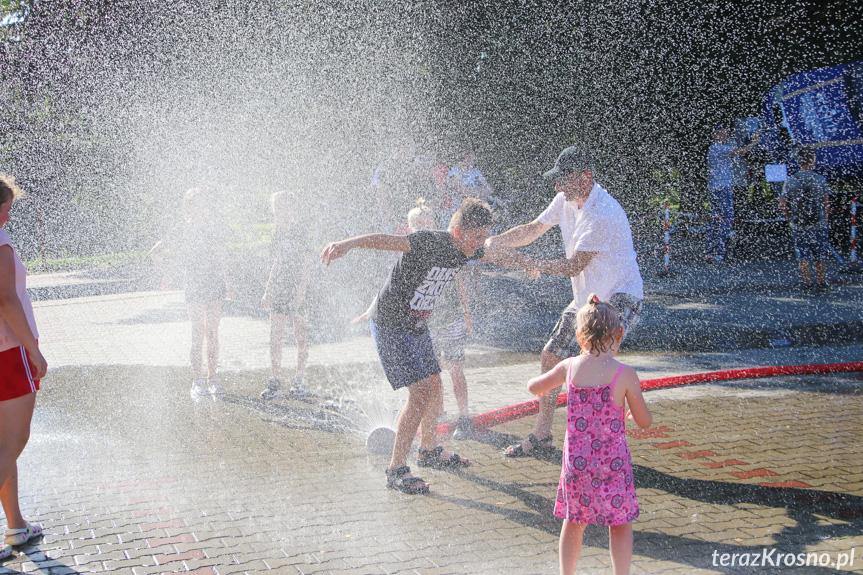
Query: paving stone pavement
x=129 y=475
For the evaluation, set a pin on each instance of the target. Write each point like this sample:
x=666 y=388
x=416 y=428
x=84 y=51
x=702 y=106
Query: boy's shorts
x=563 y=342
x=811 y=243
x=15 y=374
x=449 y=340
x=406 y=358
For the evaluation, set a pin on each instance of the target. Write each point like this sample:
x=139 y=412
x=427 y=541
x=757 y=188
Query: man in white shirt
x=599 y=259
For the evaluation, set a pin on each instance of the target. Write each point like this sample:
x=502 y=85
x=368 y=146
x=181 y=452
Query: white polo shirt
x=600 y=226
x=8 y=339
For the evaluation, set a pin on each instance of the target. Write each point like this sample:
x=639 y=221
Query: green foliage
x=665 y=190
x=105 y=261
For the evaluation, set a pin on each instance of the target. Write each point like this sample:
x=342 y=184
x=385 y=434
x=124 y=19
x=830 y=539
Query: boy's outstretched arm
x=549 y=380
x=383 y=242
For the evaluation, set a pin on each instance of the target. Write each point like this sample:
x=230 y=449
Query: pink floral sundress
x=596 y=484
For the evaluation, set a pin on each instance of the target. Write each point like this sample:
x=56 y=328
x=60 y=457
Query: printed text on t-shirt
x=427 y=294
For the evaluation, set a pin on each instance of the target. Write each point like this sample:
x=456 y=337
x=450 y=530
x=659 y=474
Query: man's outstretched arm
x=561 y=267
x=518 y=236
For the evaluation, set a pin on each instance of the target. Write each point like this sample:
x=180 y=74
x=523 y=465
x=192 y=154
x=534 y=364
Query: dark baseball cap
x=572 y=159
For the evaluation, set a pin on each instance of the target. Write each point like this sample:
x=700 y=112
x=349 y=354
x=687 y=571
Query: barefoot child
x=596 y=484
x=427 y=264
x=293 y=253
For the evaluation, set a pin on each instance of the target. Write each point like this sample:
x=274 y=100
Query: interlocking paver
x=143 y=472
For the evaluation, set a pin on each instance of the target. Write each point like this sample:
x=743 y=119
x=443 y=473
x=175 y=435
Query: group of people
x=596 y=480
x=804 y=200
x=596 y=483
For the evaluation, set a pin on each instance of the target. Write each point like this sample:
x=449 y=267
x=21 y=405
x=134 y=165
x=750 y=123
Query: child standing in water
x=293 y=253
x=596 y=484
x=427 y=264
x=206 y=283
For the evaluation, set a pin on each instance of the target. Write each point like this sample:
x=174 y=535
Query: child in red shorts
x=21 y=367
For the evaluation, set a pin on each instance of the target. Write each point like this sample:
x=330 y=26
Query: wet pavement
x=129 y=475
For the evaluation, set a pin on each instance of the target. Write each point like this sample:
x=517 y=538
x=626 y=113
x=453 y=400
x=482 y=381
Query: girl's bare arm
x=635 y=400
x=549 y=380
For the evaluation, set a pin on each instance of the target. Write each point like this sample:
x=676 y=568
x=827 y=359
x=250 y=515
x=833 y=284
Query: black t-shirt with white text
x=418 y=278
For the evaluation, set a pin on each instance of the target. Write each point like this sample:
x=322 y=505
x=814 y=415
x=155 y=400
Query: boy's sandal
x=5 y=552
x=21 y=536
x=411 y=485
x=518 y=450
x=432 y=458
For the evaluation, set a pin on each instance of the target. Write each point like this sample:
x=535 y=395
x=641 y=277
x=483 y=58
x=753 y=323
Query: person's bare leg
x=278 y=321
x=459 y=386
x=15 y=417
x=197 y=315
x=301 y=331
x=620 y=547
x=214 y=316
x=571 y=535
x=420 y=395
x=804 y=271
x=428 y=423
x=428 y=426
x=820 y=272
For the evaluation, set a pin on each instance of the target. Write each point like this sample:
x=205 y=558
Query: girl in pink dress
x=596 y=480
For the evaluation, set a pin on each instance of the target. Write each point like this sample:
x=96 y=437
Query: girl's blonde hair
x=8 y=189
x=598 y=322
x=422 y=211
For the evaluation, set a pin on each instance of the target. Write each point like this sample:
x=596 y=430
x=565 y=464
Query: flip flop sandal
x=518 y=449
x=5 y=552
x=432 y=458
x=411 y=485
x=16 y=537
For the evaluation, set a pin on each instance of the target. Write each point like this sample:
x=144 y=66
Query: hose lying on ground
x=519 y=410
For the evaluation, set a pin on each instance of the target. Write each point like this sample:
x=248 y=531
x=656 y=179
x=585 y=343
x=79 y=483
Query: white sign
x=776 y=172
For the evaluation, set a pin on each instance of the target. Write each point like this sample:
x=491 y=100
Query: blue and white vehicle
x=823 y=107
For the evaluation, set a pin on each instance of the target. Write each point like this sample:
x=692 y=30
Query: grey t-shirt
x=804 y=193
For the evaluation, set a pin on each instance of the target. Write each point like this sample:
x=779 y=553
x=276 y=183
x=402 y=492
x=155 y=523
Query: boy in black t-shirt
x=427 y=265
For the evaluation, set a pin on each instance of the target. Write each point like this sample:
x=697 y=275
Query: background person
x=206 y=283
x=805 y=201
x=292 y=252
x=599 y=259
x=720 y=191
x=22 y=366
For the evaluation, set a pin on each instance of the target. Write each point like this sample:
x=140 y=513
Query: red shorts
x=15 y=370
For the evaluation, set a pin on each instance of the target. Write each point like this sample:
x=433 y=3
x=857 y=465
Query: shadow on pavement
x=807 y=507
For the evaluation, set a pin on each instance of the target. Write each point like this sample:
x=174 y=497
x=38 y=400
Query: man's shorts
x=406 y=358
x=15 y=374
x=563 y=342
x=449 y=340
x=811 y=243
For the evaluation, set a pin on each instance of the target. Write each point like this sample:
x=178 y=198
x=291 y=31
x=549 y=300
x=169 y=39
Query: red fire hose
x=519 y=410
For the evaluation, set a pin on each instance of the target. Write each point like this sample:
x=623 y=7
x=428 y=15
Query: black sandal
x=411 y=485
x=432 y=458
x=537 y=445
